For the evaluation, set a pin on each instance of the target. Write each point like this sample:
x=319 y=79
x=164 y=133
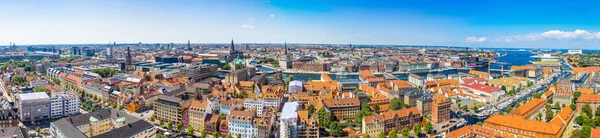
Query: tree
x=179 y=126
x=366 y=136
x=598 y=112
x=503 y=88
x=405 y=132
x=395 y=104
x=105 y=72
x=114 y=105
x=161 y=122
x=170 y=125
x=310 y=109
x=222 y=116
x=364 y=111
x=517 y=105
x=376 y=108
x=190 y=132
x=310 y=79
x=393 y=134
x=587 y=109
x=39 y=89
x=121 y=107
x=153 y=118
x=159 y=135
x=586 y=131
x=475 y=108
x=357 y=90
x=38 y=129
x=508 y=109
x=158 y=77
x=417 y=129
x=549 y=115
x=428 y=127
x=381 y=134
x=335 y=129
x=550 y=100
x=18 y=80
x=215 y=134
x=226 y=67
x=465 y=107
x=573 y=106
x=147 y=78
x=324 y=118
x=238 y=136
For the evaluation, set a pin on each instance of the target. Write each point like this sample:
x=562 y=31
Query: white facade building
x=240 y=123
x=575 y=51
x=288 y=122
x=257 y=104
x=64 y=105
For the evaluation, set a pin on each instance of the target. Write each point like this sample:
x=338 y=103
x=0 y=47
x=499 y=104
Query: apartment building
x=105 y=123
x=33 y=106
x=343 y=108
x=440 y=108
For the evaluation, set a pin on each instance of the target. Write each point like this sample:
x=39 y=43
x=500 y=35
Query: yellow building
x=109 y=123
x=511 y=83
x=197 y=114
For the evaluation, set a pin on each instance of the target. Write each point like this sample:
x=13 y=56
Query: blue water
x=512 y=58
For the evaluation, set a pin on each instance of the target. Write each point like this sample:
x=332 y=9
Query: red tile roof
x=482 y=87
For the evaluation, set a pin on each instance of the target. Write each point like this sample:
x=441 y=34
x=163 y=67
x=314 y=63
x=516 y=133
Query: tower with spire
x=285 y=49
x=285 y=61
x=189 y=46
x=232 y=47
x=128 y=60
x=233 y=54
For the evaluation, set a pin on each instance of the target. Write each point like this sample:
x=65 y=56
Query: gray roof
x=126 y=131
x=68 y=125
x=33 y=96
x=8 y=132
x=170 y=99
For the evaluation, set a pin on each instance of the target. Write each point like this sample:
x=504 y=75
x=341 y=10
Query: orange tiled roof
x=325 y=77
x=589 y=98
x=199 y=104
x=585 y=69
x=555 y=127
x=522 y=67
x=448 y=82
x=595 y=133
x=341 y=102
x=586 y=90
x=246 y=83
x=527 y=108
x=401 y=84
x=547 y=70
x=370 y=91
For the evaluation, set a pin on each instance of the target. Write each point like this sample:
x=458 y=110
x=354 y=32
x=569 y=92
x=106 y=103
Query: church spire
x=285 y=49
x=232 y=47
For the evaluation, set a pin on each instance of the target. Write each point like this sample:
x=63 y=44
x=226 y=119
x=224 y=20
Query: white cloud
x=272 y=15
x=548 y=35
x=473 y=39
x=245 y=26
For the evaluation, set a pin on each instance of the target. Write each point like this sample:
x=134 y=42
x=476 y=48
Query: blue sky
x=506 y=23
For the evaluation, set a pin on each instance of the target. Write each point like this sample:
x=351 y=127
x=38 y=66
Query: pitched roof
x=586 y=90
x=530 y=105
x=482 y=87
x=589 y=98
x=325 y=77
x=341 y=102
x=522 y=124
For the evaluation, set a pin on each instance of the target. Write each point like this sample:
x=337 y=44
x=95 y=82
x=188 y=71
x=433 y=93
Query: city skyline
x=530 y=24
